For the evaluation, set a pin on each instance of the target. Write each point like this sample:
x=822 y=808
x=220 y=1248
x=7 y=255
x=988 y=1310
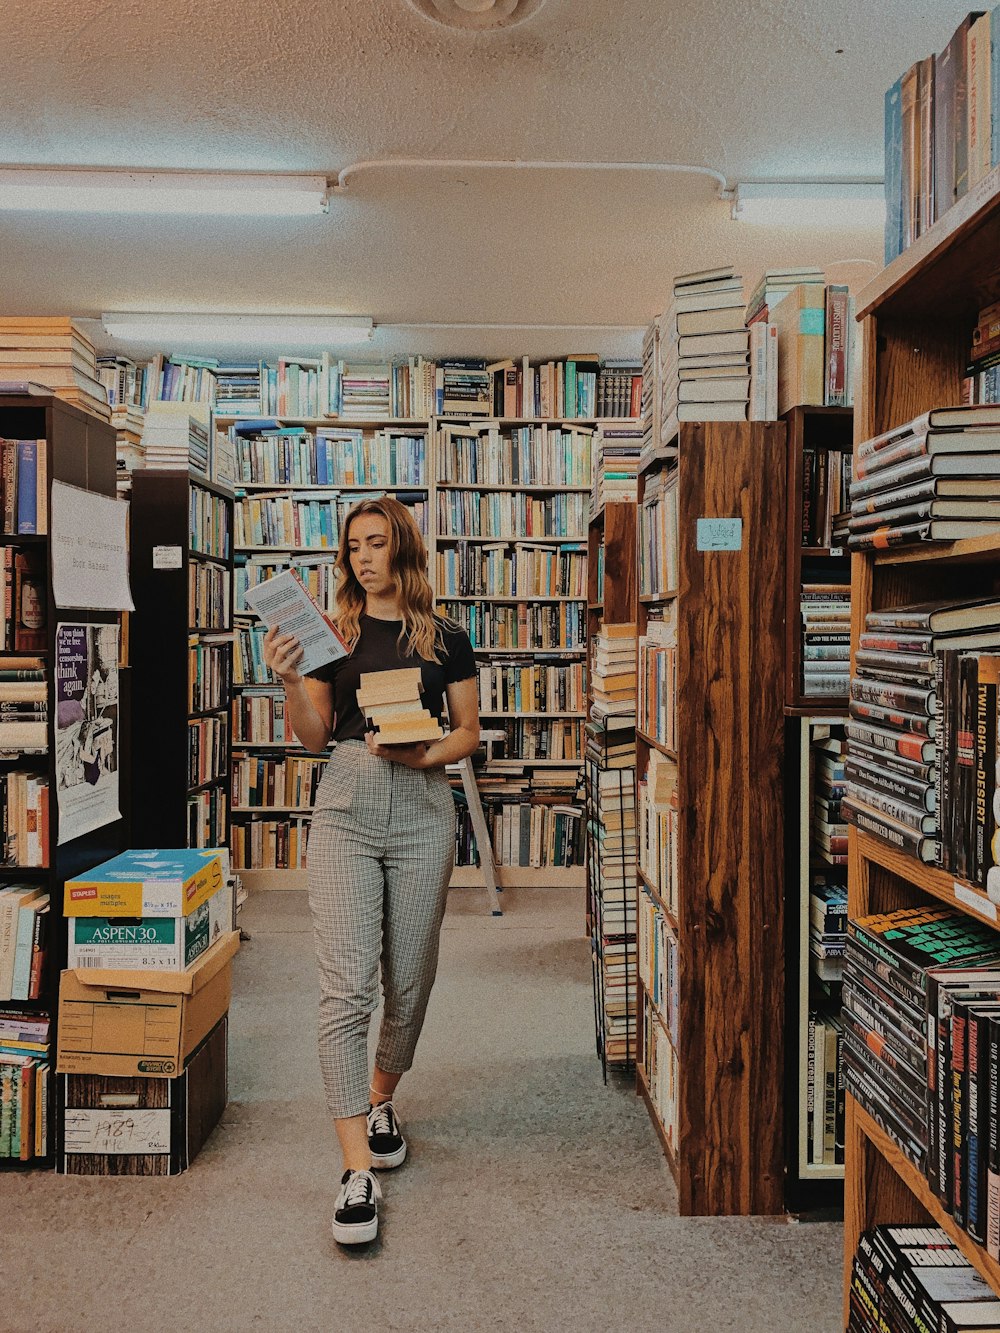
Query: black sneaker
x=385 y=1141
x=355 y=1215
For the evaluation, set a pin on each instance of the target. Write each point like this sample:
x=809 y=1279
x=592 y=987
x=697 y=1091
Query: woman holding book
x=382 y=840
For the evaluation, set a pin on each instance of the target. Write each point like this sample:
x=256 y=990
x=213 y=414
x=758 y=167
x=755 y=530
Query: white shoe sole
x=355 y=1233
x=389 y=1160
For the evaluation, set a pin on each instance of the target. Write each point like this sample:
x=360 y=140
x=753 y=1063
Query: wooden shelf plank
x=970 y=551
x=642 y=1087
x=651 y=599
x=671 y=919
x=918 y=1186
x=656 y=745
x=938 y=883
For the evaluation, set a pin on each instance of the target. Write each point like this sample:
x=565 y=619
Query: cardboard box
x=127 y=1023
x=152 y=943
x=146 y=883
x=143 y=1126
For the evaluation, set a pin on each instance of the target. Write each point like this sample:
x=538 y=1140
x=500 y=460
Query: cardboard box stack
x=56 y=354
x=390 y=701
x=143 y=1011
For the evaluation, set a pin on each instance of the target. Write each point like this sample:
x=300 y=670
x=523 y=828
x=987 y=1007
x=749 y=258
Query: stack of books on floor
x=390 y=701
x=56 y=354
x=616 y=466
x=175 y=435
x=935 y=479
x=904 y=971
x=825 y=609
x=705 y=350
x=25 y=1064
x=143 y=1082
x=915 y=1277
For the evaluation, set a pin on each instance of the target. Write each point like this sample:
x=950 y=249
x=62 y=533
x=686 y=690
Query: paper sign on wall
x=89 y=550
x=720 y=534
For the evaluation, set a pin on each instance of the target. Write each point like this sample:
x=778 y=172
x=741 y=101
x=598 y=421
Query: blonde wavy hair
x=421 y=632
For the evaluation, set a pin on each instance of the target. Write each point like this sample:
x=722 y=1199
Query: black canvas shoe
x=355 y=1214
x=385 y=1141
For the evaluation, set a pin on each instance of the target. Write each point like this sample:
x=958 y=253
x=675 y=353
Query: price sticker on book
x=720 y=534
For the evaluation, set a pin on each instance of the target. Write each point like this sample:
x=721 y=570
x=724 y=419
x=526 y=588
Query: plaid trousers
x=381 y=853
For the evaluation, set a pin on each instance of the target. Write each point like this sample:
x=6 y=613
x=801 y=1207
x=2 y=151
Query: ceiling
x=766 y=89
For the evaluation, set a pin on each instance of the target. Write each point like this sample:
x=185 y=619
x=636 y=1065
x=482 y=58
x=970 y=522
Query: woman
x=382 y=841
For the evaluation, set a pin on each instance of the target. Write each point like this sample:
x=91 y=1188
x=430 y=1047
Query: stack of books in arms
x=25 y=1062
x=390 y=701
x=935 y=479
x=942 y=131
x=55 y=353
x=915 y=691
x=704 y=346
x=825 y=609
x=915 y=1277
x=616 y=466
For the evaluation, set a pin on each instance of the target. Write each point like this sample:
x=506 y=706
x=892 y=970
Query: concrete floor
x=534 y=1198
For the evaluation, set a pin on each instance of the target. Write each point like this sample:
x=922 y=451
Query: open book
x=284 y=604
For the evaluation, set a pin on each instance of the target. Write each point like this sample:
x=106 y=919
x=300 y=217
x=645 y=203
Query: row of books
x=937 y=478
x=259 y=715
x=23 y=487
x=825 y=1103
x=209 y=674
x=288 y=782
x=658 y=681
x=25 y=601
x=525 y=627
x=24 y=936
x=291 y=521
x=534 y=834
x=520 y=456
x=495 y=514
x=207 y=818
x=209 y=596
x=531 y=686
x=826 y=478
x=661 y=1074
x=24 y=818
x=657 y=539
x=25 y=1065
x=616 y=466
x=208 y=749
x=318 y=575
x=827 y=927
x=659 y=827
x=529 y=738
x=177 y=438
x=24 y=712
x=275 y=455
x=269 y=843
x=915 y=1277
x=465 y=570
x=659 y=961
x=941 y=130
x=209 y=529
x=825 y=613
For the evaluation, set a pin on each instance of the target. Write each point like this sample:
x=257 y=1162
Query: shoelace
x=359 y=1189
x=382 y=1119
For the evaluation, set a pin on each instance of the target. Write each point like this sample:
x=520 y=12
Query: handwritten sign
x=89 y=550
x=720 y=534
x=111 y=1130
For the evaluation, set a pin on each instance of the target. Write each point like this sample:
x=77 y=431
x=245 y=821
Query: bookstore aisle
x=529 y=1201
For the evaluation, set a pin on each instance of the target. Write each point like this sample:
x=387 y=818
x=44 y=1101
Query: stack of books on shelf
x=616 y=466
x=658 y=815
x=920 y=677
x=390 y=701
x=536 y=455
x=825 y=1088
x=24 y=709
x=825 y=609
x=935 y=479
x=913 y=1277
x=941 y=130
x=826 y=479
x=24 y=931
x=23 y=626
x=817 y=343
x=55 y=353
x=129 y=423
x=122 y=381
x=25 y=1064
x=613 y=668
x=619 y=389
x=161 y=927
x=175 y=436
x=774 y=286
x=465 y=388
x=910 y=975
x=704 y=350
x=238 y=390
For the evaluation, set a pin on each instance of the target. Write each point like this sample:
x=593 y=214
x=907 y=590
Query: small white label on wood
x=114 y=1131
x=836 y=550
x=720 y=534
x=167 y=557
x=976 y=901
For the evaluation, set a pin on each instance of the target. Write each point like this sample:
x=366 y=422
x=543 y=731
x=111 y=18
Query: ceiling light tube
x=73 y=190
x=811 y=203
x=312 y=330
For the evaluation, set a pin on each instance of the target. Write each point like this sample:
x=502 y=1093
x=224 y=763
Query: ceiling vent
x=477 y=15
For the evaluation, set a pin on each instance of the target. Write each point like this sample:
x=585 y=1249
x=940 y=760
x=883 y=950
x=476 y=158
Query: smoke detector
x=477 y=15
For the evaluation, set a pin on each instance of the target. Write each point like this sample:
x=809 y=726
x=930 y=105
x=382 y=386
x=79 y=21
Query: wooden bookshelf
x=916 y=323
x=80 y=451
x=726 y=1148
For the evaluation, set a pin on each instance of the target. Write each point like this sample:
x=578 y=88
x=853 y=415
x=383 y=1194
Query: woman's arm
x=463 y=712
x=309 y=703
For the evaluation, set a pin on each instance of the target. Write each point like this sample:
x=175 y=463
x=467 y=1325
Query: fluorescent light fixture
x=72 y=190
x=811 y=203
x=311 y=330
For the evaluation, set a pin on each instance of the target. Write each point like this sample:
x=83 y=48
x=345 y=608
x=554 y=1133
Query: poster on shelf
x=86 y=728
x=89 y=550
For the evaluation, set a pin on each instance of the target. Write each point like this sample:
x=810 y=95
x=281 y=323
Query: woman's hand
x=413 y=756
x=283 y=653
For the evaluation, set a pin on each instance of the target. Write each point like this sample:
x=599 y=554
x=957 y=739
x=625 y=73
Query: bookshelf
x=80 y=451
x=611 y=546
x=917 y=319
x=181 y=638
x=711 y=1053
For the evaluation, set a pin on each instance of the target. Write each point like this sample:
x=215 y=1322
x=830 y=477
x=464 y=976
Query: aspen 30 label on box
x=111 y=1130
x=720 y=534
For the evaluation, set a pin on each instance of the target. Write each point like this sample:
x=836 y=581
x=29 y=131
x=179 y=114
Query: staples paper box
x=167 y=943
x=133 y=1022
x=146 y=883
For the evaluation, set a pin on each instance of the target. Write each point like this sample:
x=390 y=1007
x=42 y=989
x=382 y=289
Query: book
x=283 y=603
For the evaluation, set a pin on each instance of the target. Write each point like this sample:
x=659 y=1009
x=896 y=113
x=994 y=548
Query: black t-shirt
x=377 y=649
